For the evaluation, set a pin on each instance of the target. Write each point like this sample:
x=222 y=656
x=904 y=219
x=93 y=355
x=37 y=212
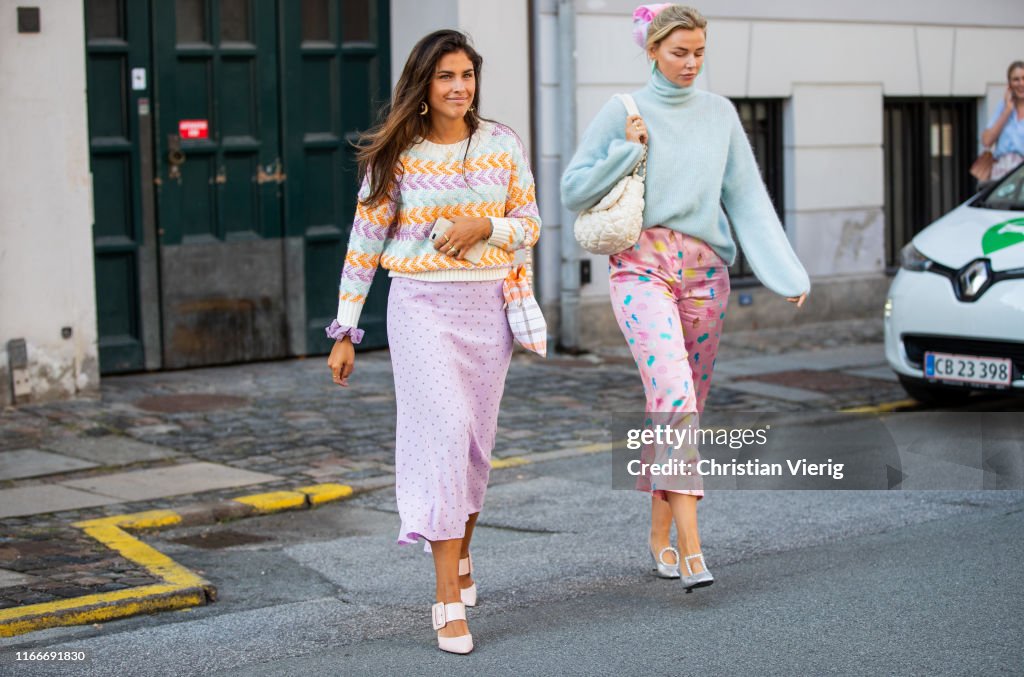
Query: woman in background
x=1005 y=131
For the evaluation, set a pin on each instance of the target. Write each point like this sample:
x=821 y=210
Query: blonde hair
x=672 y=18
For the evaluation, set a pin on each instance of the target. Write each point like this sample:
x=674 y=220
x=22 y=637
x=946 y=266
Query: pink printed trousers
x=669 y=293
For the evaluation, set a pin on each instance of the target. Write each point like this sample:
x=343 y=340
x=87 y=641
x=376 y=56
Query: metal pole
x=569 y=337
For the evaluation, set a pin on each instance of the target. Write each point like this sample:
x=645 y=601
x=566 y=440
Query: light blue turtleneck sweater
x=698 y=160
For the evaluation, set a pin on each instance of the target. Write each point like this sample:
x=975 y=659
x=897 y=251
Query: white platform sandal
x=441 y=615
x=468 y=594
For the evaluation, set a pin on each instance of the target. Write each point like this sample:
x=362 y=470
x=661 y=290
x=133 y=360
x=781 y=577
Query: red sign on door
x=193 y=129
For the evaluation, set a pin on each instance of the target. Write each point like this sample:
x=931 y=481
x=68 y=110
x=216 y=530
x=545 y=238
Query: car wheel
x=925 y=392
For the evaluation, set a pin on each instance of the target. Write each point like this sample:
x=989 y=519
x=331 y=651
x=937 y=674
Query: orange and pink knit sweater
x=493 y=180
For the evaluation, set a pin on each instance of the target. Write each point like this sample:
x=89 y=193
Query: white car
x=954 y=316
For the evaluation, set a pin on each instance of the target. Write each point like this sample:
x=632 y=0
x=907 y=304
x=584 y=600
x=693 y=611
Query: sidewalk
x=190 y=441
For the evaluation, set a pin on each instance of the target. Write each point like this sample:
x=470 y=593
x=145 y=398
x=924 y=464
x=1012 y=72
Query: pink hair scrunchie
x=642 y=18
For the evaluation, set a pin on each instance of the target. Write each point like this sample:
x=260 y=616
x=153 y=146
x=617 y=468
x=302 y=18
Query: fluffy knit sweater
x=440 y=180
x=698 y=161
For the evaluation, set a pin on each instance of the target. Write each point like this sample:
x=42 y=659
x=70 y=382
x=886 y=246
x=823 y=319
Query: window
x=190 y=16
x=762 y=121
x=104 y=19
x=929 y=147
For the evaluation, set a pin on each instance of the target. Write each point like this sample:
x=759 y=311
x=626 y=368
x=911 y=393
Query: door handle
x=272 y=174
x=175 y=157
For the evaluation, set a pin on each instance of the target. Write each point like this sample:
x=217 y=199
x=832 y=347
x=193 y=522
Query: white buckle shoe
x=663 y=568
x=468 y=594
x=698 y=580
x=441 y=615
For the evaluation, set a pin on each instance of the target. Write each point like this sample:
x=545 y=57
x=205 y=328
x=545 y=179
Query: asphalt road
x=817 y=582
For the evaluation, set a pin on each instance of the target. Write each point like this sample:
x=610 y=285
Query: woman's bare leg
x=661 y=528
x=684 y=509
x=467 y=580
x=446 y=569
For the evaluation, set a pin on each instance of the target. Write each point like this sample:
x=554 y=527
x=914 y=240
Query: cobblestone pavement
x=289 y=420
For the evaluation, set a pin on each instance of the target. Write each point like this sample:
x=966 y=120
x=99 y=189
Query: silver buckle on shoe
x=686 y=560
x=439 y=617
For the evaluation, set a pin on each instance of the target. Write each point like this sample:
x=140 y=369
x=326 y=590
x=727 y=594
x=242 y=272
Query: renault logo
x=973 y=279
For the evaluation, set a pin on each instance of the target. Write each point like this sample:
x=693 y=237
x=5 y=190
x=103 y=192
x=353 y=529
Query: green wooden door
x=220 y=175
x=117 y=41
x=336 y=75
x=224 y=178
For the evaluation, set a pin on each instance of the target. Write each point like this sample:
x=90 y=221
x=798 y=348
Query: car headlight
x=887 y=310
x=911 y=259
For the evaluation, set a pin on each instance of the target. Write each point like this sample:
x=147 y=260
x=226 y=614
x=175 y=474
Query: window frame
x=907 y=172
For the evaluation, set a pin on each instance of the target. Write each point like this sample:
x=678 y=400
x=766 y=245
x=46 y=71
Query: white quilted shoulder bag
x=614 y=223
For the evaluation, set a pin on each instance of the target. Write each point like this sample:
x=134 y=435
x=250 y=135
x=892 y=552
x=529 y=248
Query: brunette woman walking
x=434 y=157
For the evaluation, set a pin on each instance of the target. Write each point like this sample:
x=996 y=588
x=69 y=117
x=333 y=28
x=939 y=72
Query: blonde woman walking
x=671 y=289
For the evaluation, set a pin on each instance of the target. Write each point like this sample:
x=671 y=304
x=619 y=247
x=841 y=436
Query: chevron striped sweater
x=493 y=180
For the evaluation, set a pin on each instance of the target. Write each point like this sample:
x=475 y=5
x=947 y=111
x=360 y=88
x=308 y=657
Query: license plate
x=992 y=371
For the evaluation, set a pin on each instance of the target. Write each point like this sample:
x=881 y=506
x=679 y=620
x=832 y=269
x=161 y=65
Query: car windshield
x=1007 y=194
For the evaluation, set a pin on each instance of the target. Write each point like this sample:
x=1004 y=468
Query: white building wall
x=500 y=33
x=833 y=63
x=46 y=254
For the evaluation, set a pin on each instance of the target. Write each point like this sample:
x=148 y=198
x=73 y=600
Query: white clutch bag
x=614 y=223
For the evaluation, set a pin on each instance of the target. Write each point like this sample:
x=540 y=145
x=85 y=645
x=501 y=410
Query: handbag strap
x=640 y=171
x=629 y=103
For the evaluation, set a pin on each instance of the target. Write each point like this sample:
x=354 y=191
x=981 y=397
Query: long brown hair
x=380 y=148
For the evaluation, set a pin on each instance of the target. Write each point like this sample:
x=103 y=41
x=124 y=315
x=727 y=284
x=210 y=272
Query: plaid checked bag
x=524 y=315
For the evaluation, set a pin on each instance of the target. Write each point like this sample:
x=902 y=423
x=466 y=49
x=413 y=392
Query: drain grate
x=187 y=402
x=213 y=540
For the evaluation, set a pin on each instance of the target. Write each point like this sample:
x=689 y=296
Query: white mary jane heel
x=441 y=615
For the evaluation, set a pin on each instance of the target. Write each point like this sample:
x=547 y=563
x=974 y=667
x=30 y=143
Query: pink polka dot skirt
x=450 y=350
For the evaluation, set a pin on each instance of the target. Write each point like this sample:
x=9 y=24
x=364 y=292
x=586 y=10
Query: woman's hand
x=342 y=361
x=798 y=300
x=636 y=130
x=1009 y=97
x=465 y=232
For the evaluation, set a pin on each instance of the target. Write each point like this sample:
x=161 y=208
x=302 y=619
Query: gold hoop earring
x=472 y=109
x=424 y=108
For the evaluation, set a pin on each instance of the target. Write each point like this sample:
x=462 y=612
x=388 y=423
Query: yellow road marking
x=155 y=562
x=179 y=587
x=882 y=408
x=515 y=461
x=98 y=608
x=151 y=519
x=275 y=501
x=322 y=493
x=599 y=446
x=510 y=462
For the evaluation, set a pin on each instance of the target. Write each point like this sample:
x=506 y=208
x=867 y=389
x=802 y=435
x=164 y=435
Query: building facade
x=864 y=116
x=186 y=179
